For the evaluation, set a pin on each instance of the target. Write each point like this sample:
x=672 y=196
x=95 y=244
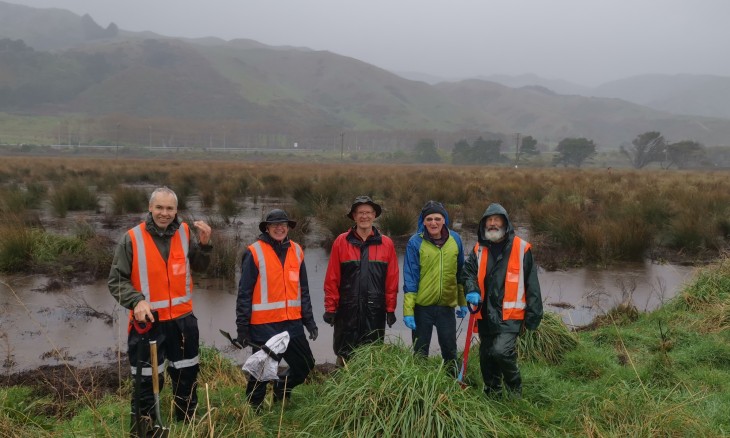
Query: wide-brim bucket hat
x=276 y=216
x=360 y=200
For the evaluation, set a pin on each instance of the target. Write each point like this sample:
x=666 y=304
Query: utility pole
x=116 y=153
x=517 y=149
x=149 y=129
x=342 y=146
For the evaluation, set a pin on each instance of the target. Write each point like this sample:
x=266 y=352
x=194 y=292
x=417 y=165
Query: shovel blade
x=160 y=432
x=230 y=339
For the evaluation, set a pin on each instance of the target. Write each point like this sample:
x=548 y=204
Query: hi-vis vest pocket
x=178 y=268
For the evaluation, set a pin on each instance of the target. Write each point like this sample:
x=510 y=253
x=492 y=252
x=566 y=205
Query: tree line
x=647 y=148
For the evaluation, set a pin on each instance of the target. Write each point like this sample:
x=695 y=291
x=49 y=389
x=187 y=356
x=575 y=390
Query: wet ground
x=44 y=323
x=84 y=326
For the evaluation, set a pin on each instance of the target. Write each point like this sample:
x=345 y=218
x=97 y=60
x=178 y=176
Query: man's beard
x=495 y=235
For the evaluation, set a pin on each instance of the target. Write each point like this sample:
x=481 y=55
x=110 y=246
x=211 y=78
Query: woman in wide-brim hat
x=276 y=216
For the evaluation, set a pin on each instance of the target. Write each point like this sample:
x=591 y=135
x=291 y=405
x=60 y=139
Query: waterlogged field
x=663 y=373
x=573 y=217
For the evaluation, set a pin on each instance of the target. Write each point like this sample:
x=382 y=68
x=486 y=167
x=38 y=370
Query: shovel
x=159 y=430
x=469 y=333
x=142 y=328
x=238 y=345
x=231 y=340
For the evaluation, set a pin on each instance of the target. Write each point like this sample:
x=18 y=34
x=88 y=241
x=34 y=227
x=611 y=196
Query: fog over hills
x=69 y=63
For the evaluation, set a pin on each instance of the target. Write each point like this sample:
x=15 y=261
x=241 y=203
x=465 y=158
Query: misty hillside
x=702 y=95
x=98 y=72
x=699 y=95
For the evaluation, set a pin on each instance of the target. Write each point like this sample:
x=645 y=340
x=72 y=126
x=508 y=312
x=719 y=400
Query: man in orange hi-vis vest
x=151 y=272
x=501 y=275
x=273 y=297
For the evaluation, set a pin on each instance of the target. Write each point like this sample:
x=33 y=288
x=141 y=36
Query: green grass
x=32 y=250
x=665 y=374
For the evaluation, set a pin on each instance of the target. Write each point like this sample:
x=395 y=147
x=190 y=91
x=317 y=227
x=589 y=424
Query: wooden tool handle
x=155 y=376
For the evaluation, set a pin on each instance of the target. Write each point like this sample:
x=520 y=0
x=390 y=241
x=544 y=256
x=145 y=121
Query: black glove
x=390 y=318
x=329 y=317
x=243 y=337
x=313 y=333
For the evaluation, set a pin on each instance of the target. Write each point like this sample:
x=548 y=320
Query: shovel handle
x=153 y=362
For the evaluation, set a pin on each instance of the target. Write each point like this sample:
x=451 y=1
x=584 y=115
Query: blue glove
x=410 y=322
x=474 y=298
x=461 y=312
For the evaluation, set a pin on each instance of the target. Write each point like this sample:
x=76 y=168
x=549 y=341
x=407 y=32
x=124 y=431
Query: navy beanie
x=432 y=207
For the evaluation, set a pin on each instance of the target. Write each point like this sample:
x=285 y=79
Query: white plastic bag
x=263 y=367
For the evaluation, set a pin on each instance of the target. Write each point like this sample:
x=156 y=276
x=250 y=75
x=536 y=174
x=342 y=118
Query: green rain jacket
x=431 y=274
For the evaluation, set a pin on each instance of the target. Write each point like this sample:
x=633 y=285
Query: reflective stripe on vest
x=514 y=301
x=166 y=284
x=277 y=295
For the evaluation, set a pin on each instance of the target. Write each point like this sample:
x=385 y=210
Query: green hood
x=492 y=210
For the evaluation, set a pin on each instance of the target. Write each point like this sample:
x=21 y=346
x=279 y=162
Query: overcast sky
x=583 y=41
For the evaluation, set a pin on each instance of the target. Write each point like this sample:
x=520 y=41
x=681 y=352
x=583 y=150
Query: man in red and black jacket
x=361 y=284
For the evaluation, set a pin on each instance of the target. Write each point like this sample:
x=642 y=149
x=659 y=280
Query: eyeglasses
x=365 y=213
x=280 y=225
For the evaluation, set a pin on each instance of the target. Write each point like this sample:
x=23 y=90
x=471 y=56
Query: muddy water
x=47 y=328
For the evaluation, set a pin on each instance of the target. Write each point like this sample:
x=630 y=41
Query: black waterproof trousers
x=498 y=361
x=177 y=342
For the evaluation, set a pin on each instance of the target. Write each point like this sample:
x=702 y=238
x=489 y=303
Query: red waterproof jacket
x=361 y=285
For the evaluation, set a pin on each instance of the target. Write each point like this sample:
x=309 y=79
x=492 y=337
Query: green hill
x=292 y=93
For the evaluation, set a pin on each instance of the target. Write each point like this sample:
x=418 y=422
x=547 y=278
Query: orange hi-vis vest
x=166 y=284
x=277 y=295
x=514 y=302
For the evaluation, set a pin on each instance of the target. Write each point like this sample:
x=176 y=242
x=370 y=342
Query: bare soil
x=67 y=384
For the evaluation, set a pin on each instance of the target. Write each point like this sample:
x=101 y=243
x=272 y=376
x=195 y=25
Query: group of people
x=151 y=276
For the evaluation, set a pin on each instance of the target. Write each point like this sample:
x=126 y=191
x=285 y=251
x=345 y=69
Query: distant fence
x=181 y=148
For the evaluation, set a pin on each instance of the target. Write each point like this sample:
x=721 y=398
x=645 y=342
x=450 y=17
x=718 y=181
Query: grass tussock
x=398 y=222
x=27 y=249
x=549 y=343
x=129 y=200
x=225 y=257
x=23 y=249
x=74 y=195
x=709 y=297
x=333 y=220
x=385 y=391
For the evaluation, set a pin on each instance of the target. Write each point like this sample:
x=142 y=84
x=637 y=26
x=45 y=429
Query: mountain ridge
x=299 y=89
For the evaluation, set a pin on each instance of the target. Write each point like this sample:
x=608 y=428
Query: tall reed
x=74 y=195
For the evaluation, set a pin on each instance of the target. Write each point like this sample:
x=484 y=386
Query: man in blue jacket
x=431 y=271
